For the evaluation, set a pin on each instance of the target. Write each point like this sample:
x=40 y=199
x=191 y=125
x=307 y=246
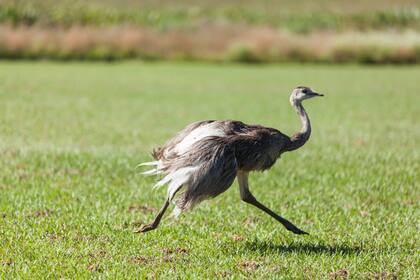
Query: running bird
x=202 y=160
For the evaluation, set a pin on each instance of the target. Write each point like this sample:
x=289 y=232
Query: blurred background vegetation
x=232 y=30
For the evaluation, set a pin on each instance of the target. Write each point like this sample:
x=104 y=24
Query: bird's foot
x=295 y=229
x=146 y=228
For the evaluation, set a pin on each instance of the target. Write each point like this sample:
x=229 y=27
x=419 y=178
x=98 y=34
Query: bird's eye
x=305 y=90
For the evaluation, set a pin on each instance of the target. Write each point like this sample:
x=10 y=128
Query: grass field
x=70 y=197
x=295 y=16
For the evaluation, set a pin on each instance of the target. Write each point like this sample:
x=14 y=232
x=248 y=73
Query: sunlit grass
x=295 y=16
x=71 y=135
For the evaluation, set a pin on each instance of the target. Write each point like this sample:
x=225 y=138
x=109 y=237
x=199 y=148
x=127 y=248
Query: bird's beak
x=317 y=94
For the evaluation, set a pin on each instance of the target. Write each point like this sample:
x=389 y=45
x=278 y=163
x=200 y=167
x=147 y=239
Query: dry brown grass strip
x=211 y=42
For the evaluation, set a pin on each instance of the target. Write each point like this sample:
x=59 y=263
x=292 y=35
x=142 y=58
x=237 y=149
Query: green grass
x=296 y=16
x=71 y=134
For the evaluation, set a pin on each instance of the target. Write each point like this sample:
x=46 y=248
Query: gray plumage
x=203 y=159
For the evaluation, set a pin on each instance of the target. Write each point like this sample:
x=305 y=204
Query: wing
x=185 y=139
x=216 y=167
x=259 y=148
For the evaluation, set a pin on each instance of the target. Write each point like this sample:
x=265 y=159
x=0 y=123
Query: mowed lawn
x=71 y=135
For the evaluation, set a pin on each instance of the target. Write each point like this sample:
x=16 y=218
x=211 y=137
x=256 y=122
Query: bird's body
x=217 y=150
x=203 y=160
x=255 y=147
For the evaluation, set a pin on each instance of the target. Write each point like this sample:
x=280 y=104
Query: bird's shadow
x=264 y=247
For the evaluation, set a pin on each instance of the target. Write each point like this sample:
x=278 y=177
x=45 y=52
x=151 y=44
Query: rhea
x=203 y=159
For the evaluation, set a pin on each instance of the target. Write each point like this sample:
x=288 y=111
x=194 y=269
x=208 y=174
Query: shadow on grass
x=302 y=248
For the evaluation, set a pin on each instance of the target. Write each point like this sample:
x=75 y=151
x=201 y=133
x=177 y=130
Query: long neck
x=299 y=139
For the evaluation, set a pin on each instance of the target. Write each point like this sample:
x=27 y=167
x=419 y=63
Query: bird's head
x=301 y=93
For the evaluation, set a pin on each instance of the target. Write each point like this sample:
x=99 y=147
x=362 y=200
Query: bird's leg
x=247 y=196
x=156 y=221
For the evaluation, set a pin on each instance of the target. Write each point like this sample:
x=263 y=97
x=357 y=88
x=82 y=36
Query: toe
x=296 y=230
x=144 y=228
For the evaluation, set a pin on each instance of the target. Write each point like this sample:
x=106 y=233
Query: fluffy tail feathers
x=205 y=171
